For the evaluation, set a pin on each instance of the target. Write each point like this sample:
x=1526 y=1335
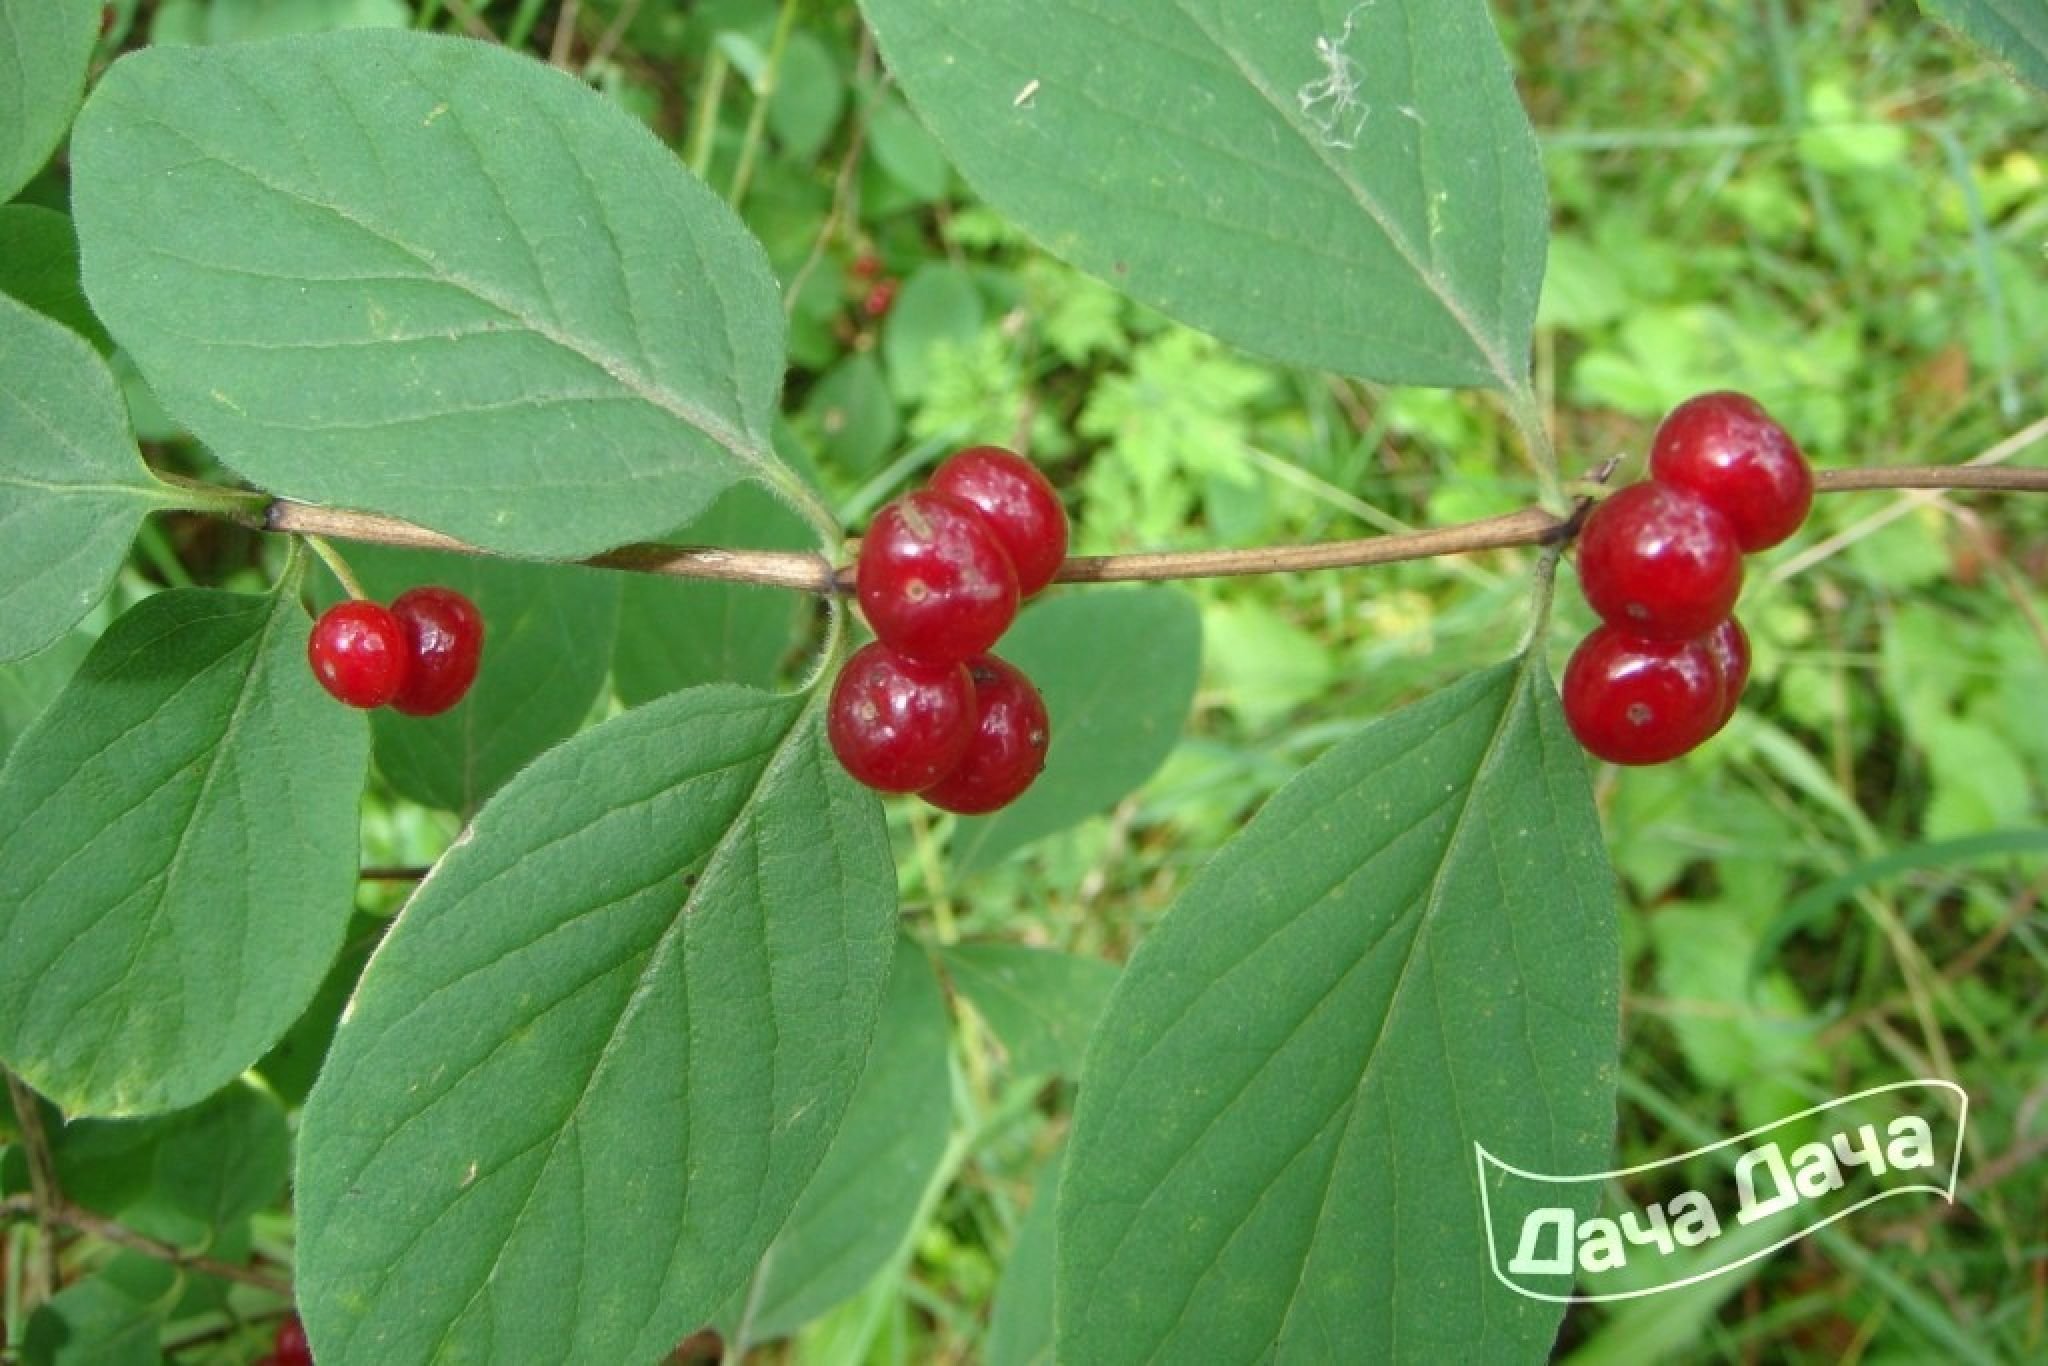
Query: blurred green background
x=1838 y=208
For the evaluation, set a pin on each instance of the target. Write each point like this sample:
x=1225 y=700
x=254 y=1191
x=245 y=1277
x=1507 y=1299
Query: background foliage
x=1836 y=207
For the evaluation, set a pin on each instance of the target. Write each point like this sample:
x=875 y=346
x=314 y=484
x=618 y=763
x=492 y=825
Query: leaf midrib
x=1489 y=759
x=1432 y=280
x=657 y=957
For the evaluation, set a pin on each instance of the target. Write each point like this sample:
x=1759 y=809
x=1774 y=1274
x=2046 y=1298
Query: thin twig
x=393 y=874
x=810 y=574
x=845 y=183
x=609 y=40
x=563 y=47
x=85 y=1221
x=45 y=1198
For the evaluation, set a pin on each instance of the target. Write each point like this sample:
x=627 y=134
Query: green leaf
x=177 y=855
x=548 y=634
x=45 y=47
x=235 y=21
x=938 y=308
x=1350 y=186
x=1411 y=950
x=39 y=267
x=291 y=1067
x=1020 y=1326
x=217 y=1164
x=1042 y=1005
x=1116 y=714
x=1264 y=665
x=2013 y=31
x=677 y=633
x=859 y=1206
x=591 y=1069
x=854 y=415
x=111 y=1318
x=73 y=488
x=914 y=164
x=432 y=278
x=808 y=99
x=189 y=1177
x=29 y=686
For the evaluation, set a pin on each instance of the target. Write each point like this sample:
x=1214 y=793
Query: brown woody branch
x=812 y=574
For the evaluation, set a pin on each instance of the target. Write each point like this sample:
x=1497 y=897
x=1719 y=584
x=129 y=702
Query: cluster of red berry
x=1661 y=562
x=290 y=1347
x=926 y=708
x=878 y=290
x=419 y=655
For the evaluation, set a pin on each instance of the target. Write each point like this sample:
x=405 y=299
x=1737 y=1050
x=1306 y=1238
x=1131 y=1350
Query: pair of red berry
x=418 y=656
x=1661 y=562
x=926 y=708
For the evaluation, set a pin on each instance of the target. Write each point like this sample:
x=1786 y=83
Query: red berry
x=1728 y=643
x=934 y=581
x=291 y=1348
x=358 y=653
x=880 y=299
x=444 y=640
x=897 y=725
x=1660 y=563
x=1019 y=505
x=1011 y=734
x=1725 y=448
x=866 y=266
x=1636 y=701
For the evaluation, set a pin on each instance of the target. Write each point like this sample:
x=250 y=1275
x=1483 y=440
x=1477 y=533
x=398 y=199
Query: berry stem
x=811 y=573
x=337 y=566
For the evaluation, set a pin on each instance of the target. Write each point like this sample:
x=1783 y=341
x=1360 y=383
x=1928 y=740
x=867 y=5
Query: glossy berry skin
x=291 y=1348
x=897 y=725
x=1659 y=563
x=1728 y=643
x=444 y=643
x=1007 y=753
x=934 y=581
x=1636 y=701
x=1019 y=504
x=1726 y=448
x=358 y=652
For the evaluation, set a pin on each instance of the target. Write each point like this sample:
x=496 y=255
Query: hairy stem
x=810 y=573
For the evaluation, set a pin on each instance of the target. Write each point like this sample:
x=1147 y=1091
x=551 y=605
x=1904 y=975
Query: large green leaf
x=1411 y=950
x=586 y=1077
x=429 y=277
x=678 y=633
x=548 y=632
x=45 y=46
x=177 y=855
x=1347 y=184
x=1116 y=714
x=73 y=488
x=2013 y=31
x=859 y=1206
x=1041 y=1004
